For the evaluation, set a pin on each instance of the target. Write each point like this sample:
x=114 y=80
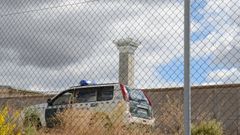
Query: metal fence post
x=187 y=88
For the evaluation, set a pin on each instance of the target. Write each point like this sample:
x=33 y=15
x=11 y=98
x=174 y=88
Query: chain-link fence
x=131 y=51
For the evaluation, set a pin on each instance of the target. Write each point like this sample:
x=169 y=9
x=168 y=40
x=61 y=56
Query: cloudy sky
x=53 y=44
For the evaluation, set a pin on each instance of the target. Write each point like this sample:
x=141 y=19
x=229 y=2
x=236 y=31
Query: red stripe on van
x=124 y=92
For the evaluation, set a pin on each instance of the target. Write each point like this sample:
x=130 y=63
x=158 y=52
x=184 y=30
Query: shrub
x=89 y=122
x=211 y=127
x=8 y=122
x=171 y=119
x=31 y=121
x=31 y=118
x=30 y=130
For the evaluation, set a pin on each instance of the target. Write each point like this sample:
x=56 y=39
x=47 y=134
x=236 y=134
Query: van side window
x=93 y=94
x=86 y=95
x=104 y=93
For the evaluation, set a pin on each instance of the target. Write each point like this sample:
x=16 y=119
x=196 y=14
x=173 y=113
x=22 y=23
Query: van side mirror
x=49 y=101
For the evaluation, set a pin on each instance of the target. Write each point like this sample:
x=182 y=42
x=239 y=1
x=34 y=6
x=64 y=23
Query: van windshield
x=139 y=105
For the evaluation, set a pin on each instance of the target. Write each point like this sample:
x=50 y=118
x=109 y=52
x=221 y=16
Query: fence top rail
x=205 y=87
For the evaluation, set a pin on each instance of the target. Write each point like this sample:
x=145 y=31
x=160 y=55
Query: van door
x=58 y=104
x=95 y=98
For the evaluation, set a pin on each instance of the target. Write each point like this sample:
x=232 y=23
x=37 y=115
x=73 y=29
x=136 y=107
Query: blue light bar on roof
x=87 y=82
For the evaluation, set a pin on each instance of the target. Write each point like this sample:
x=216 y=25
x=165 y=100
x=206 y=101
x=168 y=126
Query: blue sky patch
x=203 y=33
x=174 y=70
x=197 y=7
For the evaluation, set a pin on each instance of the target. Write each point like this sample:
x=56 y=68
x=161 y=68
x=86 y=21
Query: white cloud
x=55 y=48
x=225 y=76
x=222 y=15
x=223 y=42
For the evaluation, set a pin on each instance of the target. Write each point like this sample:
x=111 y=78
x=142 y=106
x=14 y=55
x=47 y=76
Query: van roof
x=88 y=86
x=94 y=85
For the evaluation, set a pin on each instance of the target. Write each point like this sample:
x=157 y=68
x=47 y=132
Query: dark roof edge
x=194 y=87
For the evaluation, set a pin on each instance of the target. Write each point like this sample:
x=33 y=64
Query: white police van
x=97 y=97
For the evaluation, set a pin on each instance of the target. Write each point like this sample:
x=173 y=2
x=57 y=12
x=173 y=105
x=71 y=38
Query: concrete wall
x=20 y=98
x=221 y=102
x=20 y=102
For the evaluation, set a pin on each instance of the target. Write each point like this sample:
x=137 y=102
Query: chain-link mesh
x=215 y=62
x=131 y=51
